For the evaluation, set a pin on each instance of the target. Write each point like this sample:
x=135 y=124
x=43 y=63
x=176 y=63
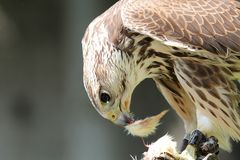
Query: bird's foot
x=207 y=148
x=195 y=138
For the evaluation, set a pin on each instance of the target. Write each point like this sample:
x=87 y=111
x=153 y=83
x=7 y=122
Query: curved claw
x=210 y=146
x=196 y=138
x=207 y=148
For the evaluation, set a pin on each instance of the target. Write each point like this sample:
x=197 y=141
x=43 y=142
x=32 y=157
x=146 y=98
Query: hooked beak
x=124 y=119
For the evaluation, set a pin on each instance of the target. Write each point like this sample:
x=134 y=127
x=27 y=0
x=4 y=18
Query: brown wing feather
x=211 y=24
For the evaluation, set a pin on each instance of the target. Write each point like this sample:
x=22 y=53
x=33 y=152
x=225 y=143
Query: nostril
x=113 y=116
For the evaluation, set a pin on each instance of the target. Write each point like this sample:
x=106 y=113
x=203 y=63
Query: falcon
x=190 y=48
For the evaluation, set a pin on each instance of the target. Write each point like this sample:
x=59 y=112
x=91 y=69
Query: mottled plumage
x=190 y=48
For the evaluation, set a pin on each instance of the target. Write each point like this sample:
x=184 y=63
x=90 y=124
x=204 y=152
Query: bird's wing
x=180 y=101
x=211 y=24
x=212 y=91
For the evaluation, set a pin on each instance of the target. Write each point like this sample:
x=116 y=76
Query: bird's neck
x=149 y=57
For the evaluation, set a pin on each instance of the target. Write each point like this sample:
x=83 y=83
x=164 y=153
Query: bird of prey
x=190 y=48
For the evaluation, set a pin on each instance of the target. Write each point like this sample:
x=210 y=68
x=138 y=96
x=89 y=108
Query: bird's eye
x=105 y=97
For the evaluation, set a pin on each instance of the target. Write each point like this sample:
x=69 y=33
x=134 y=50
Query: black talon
x=209 y=146
x=193 y=139
x=196 y=138
x=183 y=145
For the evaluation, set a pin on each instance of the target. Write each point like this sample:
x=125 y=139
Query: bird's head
x=111 y=73
x=108 y=74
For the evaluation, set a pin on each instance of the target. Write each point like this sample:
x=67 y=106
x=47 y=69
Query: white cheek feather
x=145 y=127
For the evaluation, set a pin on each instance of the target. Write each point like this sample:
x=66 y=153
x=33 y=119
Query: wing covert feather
x=211 y=24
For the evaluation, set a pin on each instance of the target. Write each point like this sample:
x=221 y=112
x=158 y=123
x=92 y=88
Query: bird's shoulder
x=213 y=25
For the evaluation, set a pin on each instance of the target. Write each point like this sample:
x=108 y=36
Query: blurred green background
x=45 y=113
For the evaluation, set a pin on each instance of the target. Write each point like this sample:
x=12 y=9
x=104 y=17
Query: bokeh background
x=45 y=113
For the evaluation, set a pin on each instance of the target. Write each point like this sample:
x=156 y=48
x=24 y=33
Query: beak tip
x=124 y=119
x=128 y=120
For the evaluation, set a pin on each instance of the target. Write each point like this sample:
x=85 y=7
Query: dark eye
x=105 y=97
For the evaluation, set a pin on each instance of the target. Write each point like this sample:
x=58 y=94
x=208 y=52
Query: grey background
x=45 y=113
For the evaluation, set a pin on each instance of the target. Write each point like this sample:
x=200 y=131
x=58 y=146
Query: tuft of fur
x=166 y=148
x=145 y=127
